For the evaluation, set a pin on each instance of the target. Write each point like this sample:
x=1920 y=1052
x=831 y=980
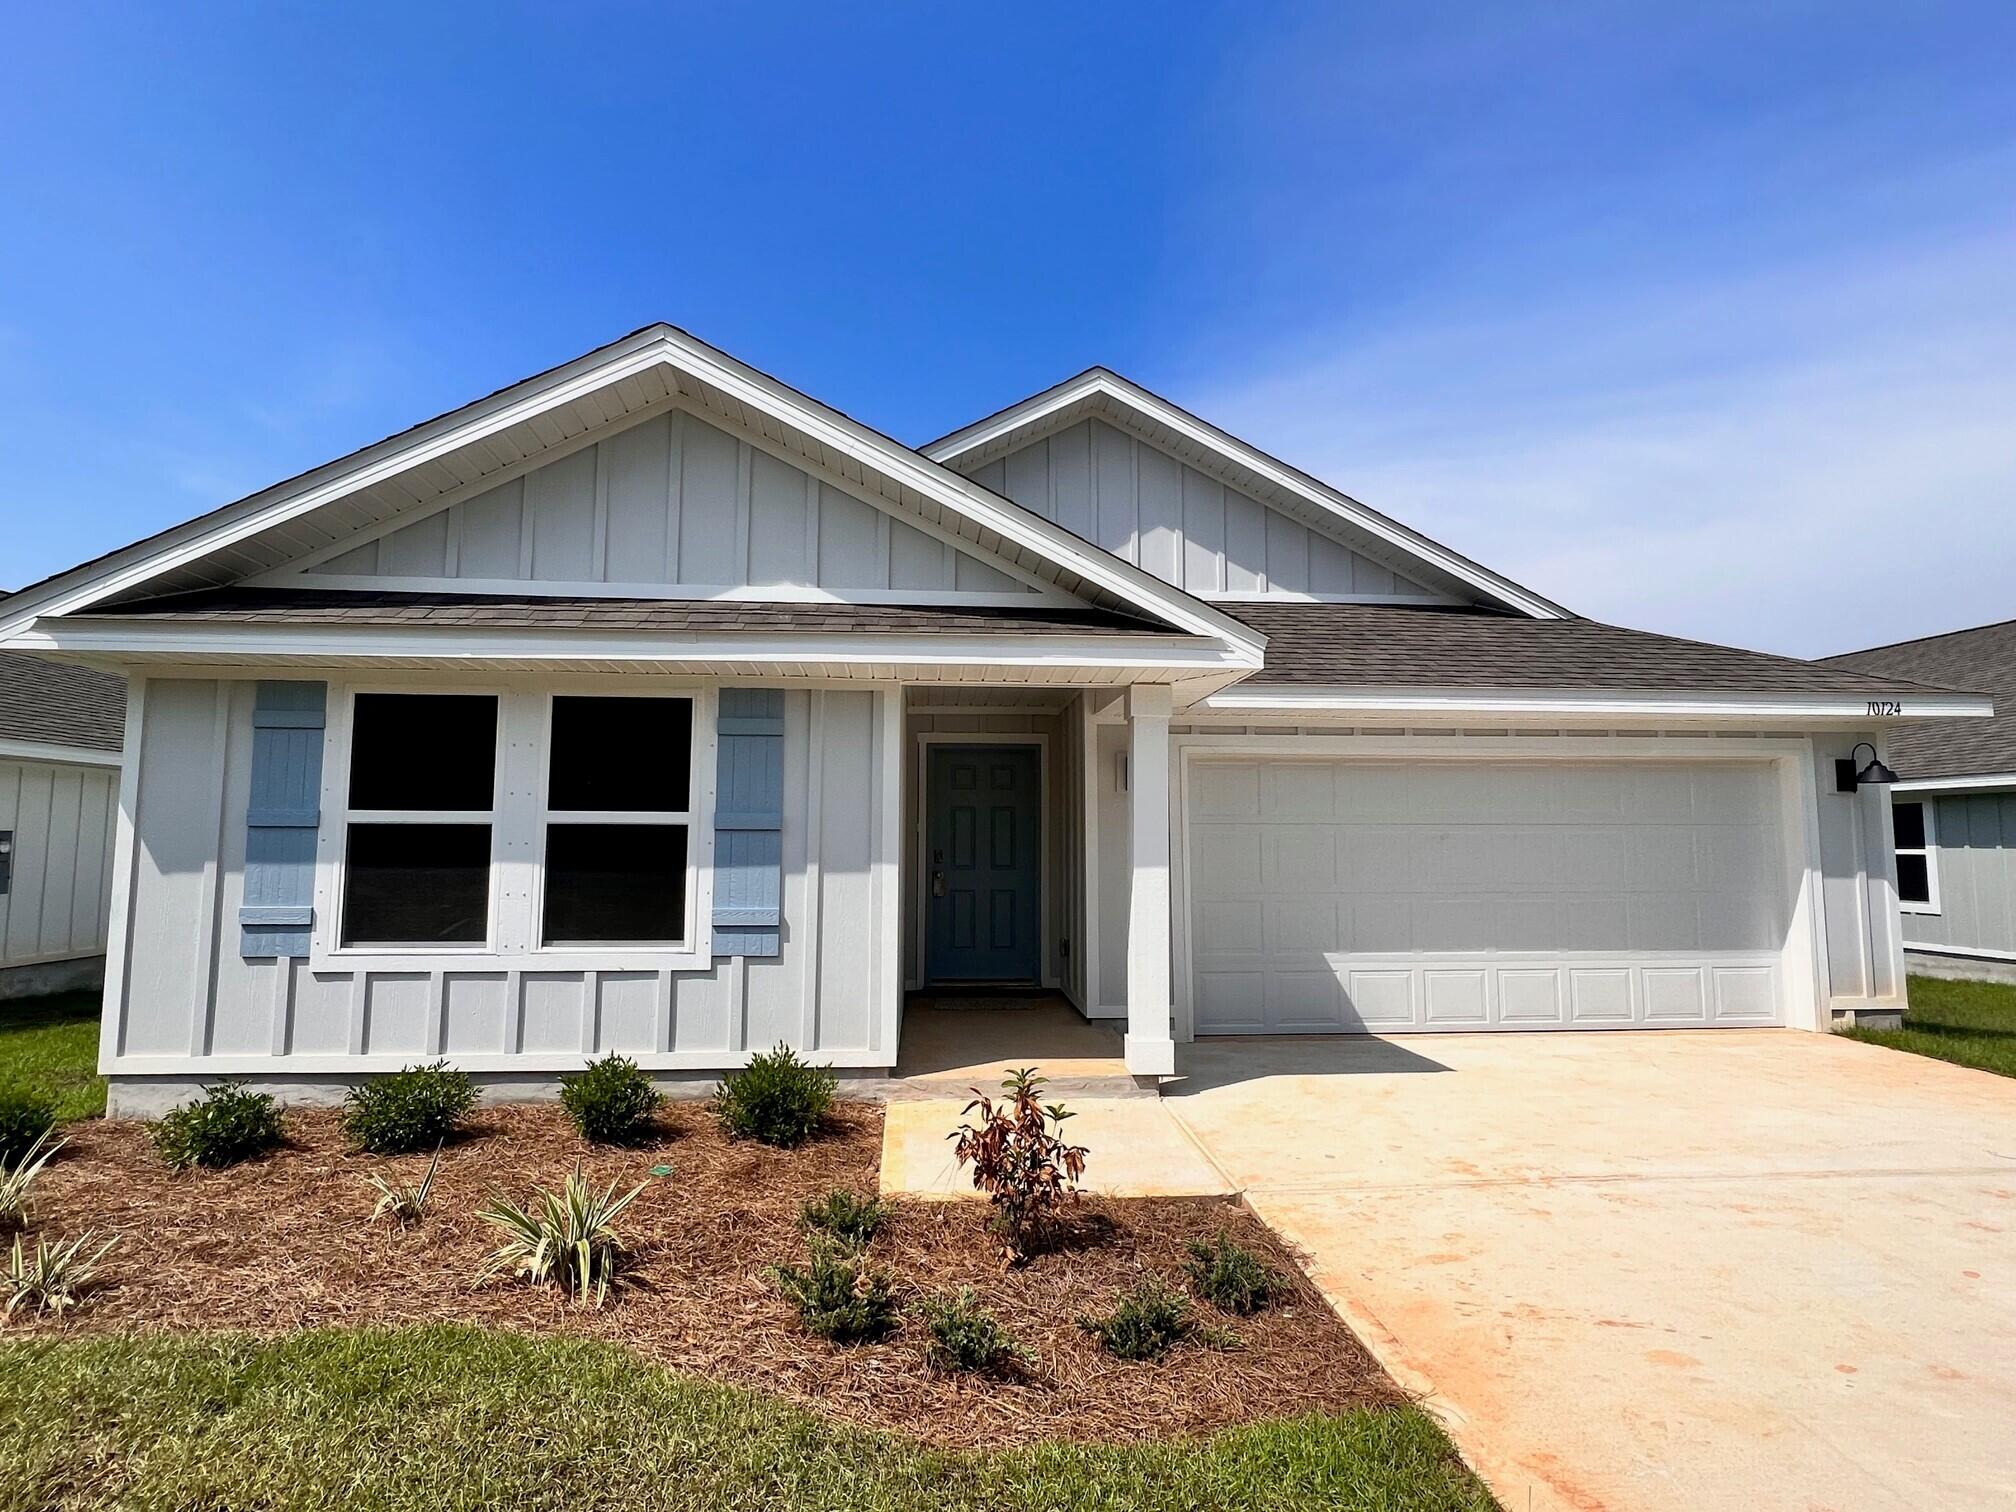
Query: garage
x=1355 y=895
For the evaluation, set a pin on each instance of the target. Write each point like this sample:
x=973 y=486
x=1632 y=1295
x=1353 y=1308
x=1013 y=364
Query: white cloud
x=1806 y=460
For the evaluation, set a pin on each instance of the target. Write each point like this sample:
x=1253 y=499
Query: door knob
x=937 y=884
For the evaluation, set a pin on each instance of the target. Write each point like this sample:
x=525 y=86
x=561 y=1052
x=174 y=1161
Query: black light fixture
x=1848 y=777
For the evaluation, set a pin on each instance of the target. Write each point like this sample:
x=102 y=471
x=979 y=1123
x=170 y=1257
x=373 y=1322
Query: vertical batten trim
x=598 y=551
x=359 y=1007
x=745 y=482
x=738 y=1004
x=665 y=1009
x=675 y=490
x=815 y=755
x=591 y=1010
x=811 y=530
x=437 y=1012
x=209 y=909
x=282 y=1004
x=885 y=1019
x=514 y=1008
x=119 y=934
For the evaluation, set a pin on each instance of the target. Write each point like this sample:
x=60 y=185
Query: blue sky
x=1696 y=318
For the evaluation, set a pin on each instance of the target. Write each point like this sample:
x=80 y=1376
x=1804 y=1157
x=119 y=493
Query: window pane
x=621 y=753
x=615 y=882
x=1907 y=822
x=423 y=751
x=1914 y=879
x=416 y=884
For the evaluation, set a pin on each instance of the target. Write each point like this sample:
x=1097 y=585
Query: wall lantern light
x=1848 y=777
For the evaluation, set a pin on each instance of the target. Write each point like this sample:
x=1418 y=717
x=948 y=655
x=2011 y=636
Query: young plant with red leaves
x=1020 y=1159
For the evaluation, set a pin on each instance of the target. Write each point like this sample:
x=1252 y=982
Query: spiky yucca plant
x=404 y=1203
x=567 y=1237
x=55 y=1277
x=17 y=1178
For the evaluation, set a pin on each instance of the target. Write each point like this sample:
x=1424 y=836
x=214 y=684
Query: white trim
x=1928 y=816
x=1681 y=703
x=1101 y=383
x=1978 y=952
x=1987 y=783
x=722 y=593
x=125 y=851
x=1802 y=957
x=885 y=1022
x=214 y=1067
x=1287 y=596
x=925 y=740
x=656 y=346
x=1088 y=887
x=38 y=750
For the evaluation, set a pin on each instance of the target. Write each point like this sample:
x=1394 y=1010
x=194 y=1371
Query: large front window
x=421 y=809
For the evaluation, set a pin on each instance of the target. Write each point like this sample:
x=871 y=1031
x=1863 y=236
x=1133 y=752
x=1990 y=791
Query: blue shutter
x=280 y=824
x=749 y=822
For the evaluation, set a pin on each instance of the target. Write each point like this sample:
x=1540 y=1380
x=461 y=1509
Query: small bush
x=844 y=1217
x=1020 y=1159
x=777 y=1098
x=403 y=1203
x=225 y=1125
x=566 y=1237
x=1231 y=1277
x=839 y=1296
x=25 y=1116
x=18 y=1176
x=1147 y=1321
x=54 y=1277
x=965 y=1336
x=611 y=1102
x=414 y=1109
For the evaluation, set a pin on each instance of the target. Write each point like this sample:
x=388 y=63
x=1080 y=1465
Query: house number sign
x=1884 y=708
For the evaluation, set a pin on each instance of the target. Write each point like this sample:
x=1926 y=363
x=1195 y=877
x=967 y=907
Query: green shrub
x=846 y=1218
x=54 y=1277
x=17 y=1176
x=1148 y=1320
x=414 y=1109
x=566 y=1237
x=225 y=1125
x=777 y=1098
x=25 y=1116
x=839 y=1296
x=1231 y=1277
x=965 y=1336
x=611 y=1102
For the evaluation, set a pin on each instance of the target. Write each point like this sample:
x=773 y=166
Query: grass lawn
x=443 y=1418
x=1968 y=1023
x=50 y=1045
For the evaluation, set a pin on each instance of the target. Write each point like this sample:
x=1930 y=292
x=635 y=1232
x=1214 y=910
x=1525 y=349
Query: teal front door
x=982 y=833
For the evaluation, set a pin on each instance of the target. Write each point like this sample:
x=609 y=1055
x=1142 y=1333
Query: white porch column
x=1150 y=1045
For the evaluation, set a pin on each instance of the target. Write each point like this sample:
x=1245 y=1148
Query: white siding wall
x=676 y=507
x=189 y=1004
x=62 y=819
x=1140 y=503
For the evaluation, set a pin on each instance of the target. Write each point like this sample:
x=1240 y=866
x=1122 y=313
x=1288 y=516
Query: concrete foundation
x=1954 y=968
x=38 y=979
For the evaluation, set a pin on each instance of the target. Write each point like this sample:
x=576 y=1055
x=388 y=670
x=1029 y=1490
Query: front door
x=982 y=830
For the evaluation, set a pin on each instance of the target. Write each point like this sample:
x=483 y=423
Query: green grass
x=51 y=1045
x=448 y=1418
x=1968 y=1023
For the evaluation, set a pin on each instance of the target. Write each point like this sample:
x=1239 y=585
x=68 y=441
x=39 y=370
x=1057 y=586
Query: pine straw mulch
x=285 y=1243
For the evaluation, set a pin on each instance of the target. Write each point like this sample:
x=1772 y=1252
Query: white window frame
x=547 y=816
x=517 y=819
x=1930 y=851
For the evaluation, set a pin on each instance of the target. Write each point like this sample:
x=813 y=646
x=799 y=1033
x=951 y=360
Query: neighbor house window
x=421 y=806
x=1917 y=863
x=619 y=807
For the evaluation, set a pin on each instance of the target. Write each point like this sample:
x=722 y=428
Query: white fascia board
x=125 y=570
x=66 y=755
x=476 y=643
x=1099 y=382
x=1681 y=704
x=1987 y=782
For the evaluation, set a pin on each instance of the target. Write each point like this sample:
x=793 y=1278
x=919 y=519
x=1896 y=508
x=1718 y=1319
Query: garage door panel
x=1459 y=895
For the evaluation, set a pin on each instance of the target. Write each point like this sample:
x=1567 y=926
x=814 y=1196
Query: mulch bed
x=285 y=1243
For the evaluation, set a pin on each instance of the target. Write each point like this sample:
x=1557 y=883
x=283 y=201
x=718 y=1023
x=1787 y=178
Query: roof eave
x=1600 y=704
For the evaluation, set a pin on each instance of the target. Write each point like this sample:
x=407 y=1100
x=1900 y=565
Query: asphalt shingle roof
x=58 y=704
x=1983 y=658
x=1389 y=645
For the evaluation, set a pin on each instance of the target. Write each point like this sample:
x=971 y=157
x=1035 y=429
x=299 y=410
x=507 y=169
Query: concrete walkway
x=1134 y=1148
x=1736 y=1269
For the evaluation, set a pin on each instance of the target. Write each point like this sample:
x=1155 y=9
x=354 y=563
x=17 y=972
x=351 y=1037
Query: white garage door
x=1370 y=896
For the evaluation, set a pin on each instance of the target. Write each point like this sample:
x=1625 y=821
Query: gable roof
x=52 y=703
x=1985 y=658
x=1102 y=393
x=653 y=366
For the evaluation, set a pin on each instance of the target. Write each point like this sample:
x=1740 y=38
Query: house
x=60 y=733
x=651 y=705
x=1953 y=814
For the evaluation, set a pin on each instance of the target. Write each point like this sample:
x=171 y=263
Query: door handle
x=937 y=884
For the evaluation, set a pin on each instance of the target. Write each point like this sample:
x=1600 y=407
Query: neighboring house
x=651 y=705
x=60 y=732
x=1953 y=811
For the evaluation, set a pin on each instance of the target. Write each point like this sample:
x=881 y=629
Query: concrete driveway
x=1726 y=1269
